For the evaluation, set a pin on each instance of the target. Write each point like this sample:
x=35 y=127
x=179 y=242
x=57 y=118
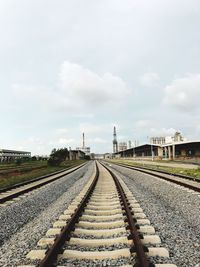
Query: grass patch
x=189 y=172
x=11 y=179
x=22 y=165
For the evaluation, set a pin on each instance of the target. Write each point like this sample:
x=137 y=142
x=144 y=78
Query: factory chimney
x=83 y=140
x=115 y=144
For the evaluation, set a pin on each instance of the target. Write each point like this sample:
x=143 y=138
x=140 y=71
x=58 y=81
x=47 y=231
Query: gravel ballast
x=24 y=222
x=172 y=210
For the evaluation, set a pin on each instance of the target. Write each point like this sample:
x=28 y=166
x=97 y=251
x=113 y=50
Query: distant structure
x=115 y=144
x=167 y=148
x=76 y=154
x=122 y=146
x=129 y=144
x=85 y=149
x=99 y=156
x=157 y=140
x=161 y=140
x=7 y=155
x=177 y=137
x=83 y=140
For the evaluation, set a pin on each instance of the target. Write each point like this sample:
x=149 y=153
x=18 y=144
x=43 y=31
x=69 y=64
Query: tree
x=18 y=162
x=58 y=156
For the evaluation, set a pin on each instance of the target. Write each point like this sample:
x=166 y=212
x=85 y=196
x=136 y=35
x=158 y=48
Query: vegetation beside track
x=14 y=165
x=37 y=170
x=183 y=171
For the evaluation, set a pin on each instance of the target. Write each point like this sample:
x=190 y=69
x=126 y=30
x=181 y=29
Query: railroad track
x=182 y=180
x=103 y=226
x=8 y=196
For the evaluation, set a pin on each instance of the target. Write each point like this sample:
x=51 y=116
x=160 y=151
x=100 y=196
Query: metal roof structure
x=180 y=143
x=14 y=151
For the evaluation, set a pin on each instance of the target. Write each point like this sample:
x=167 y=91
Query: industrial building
x=171 y=148
x=177 y=150
x=157 y=140
x=76 y=154
x=85 y=149
x=7 y=155
x=160 y=140
x=183 y=150
x=122 y=146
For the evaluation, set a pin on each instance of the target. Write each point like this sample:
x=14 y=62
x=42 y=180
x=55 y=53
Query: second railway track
x=187 y=182
x=103 y=226
x=10 y=195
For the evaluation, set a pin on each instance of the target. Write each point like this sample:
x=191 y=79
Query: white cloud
x=150 y=79
x=86 y=87
x=108 y=52
x=91 y=128
x=84 y=116
x=32 y=144
x=183 y=93
x=64 y=141
x=78 y=88
x=62 y=131
x=99 y=140
x=162 y=131
x=142 y=123
x=40 y=97
x=151 y=128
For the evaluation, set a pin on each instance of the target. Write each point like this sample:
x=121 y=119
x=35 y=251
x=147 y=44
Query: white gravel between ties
x=173 y=212
x=23 y=223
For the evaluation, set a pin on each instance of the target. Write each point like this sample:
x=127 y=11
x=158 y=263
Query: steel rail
x=4 y=189
x=164 y=172
x=26 y=190
x=197 y=189
x=50 y=258
x=135 y=236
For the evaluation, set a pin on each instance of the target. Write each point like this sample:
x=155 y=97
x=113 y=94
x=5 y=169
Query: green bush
x=58 y=156
x=18 y=162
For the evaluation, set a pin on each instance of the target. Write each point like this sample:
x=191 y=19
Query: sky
x=68 y=67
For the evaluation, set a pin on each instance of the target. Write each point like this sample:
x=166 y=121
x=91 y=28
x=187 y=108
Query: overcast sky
x=73 y=66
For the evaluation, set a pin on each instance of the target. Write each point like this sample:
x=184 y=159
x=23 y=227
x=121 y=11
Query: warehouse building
x=176 y=150
x=7 y=155
x=182 y=150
